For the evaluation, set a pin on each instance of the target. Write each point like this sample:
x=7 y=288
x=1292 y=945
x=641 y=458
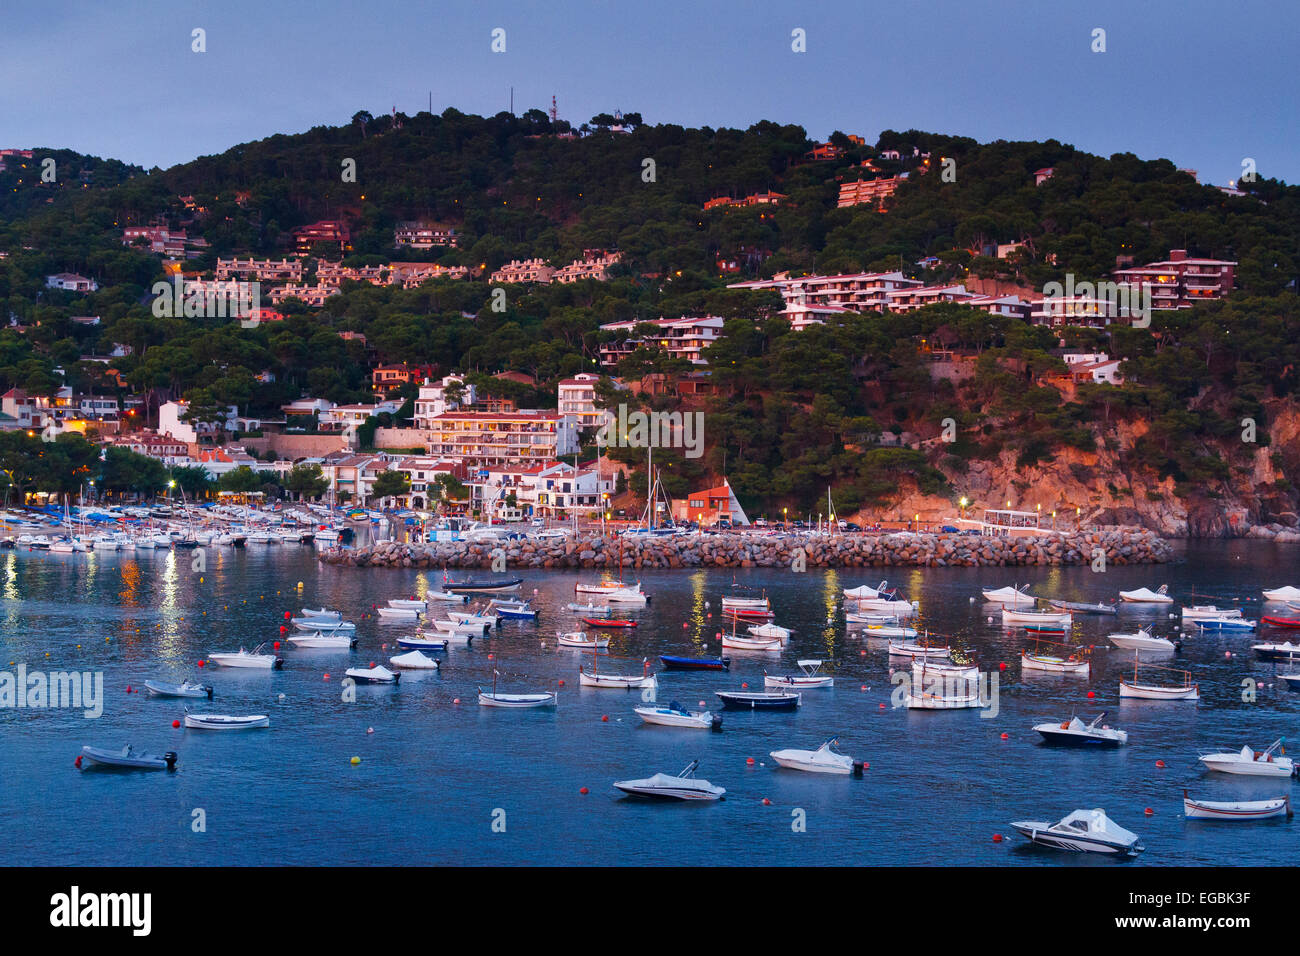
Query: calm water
x=434 y=774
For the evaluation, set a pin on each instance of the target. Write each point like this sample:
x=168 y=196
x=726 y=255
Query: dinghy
x=674 y=663
x=1083 y=831
x=446 y=597
x=1287 y=593
x=1253 y=763
x=942 y=687
x=186 y=688
x=1077 y=607
x=758 y=700
x=825 y=759
x=342 y=641
x=1144 y=641
x=886 y=630
x=1285 y=651
x=1236 y=810
x=473 y=586
x=125 y=759
x=737 y=642
x=495 y=699
x=625 y=681
x=1145 y=690
x=1009 y=597
x=636 y=598
x=1287 y=622
x=684 y=786
x=1198 y=612
x=247 y=659
x=1147 y=596
x=674 y=715
x=1075 y=733
x=810 y=678
x=397 y=615
x=595 y=610
x=608 y=622
x=904 y=649
x=414 y=661
x=226 y=722
x=580 y=639
x=379 y=674
x=420 y=642
x=1010 y=617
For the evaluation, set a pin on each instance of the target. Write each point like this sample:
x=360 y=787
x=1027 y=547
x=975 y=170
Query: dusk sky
x=1201 y=83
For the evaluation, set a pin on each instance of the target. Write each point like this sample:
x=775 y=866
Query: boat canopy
x=1097 y=823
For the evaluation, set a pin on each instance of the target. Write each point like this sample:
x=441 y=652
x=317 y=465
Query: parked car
x=948 y=529
x=849 y=526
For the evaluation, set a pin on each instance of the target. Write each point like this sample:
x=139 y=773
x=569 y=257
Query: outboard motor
x=716 y=725
x=208 y=688
x=857 y=768
x=278 y=663
x=170 y=758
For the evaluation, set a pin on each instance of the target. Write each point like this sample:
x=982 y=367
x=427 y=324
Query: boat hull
x=1156 y=692
x=1242 y=810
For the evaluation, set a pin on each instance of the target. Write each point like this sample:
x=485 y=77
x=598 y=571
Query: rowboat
x=736 y=615
x=758 y=700
x=1285 y=651
x=1143 y=690
x=471 y=585
x=1066 y=660
x=1236 y=810
x=126 y=759
x=1083 y=831
x=403 y=609
x=624 y=681
x=887 y=630
x=1224 y=624
x=1287 y=593
x=414 y=661
x=1253 y=763
x=1009 y=597
x=247 y=659
x=1057 y=629
x=325 y=627
x=514 y=700
x=596 y=610
x=1199 y=612
x=1147 y=596
x=675 y=663
x=1078 y=607
x=737 y=642
x=1143 y=641
x=684 y=786
x=904 y=649
x=580 y=639
x=1281 y=621
x=1074 y=732
x=1010 y=616
x=746 y=604
x=674 y=715
x=378 y=674
x=186 y=688
x=825 y=759
x=226 y=722
x=942 y=687
x=342 y=641
x=608 y=622
x=810 y=678
x=420 y=642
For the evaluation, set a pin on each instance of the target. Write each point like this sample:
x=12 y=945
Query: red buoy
x=1160 y=764
x=175 y=724
x=283 y=629
x=1148 y=811
x=327 y=676
x=749 y=761
x=288 y=616
x=456 y=701
x=276 y=645
x=583 y=790
x=201 y=663
x=1002 y=666
x=561 y=683
x=604 y=718
x=767 y=802
x=128 y=688
x=744 y=685
x=77 y=763
x=997 y=838
x=1091 y=694
x=1005 y=736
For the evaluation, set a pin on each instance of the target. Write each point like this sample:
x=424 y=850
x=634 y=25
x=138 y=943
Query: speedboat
x=1143 y=641
x=414 y=661
x=1286 y=651
x=247 y=659
x=1253 y=763
x=1009 y=597
x=864 y=592
x=758 y=700
x=1236 y=810
x=1199 y=612
x=674 y=663
x=186 y=688
x=684 y=786
x=318 y=624
x=1287 y=593
x=488 y=621
x=126 y=759
x=340 y=642
x=1224 y=624
x=514 y=610
x=825 y=759
x=379 y=674
x=1074 y=732
x=880 y=630
x=674 y=715
x=419 y=642
x=1147 y=596
x=897 y=608
x=624 y=596
x=446 y=597
x=321 y=614
x=226 y=722
x=408 y=604
x=395 y=614
x=811 y=677
x=1083 y=831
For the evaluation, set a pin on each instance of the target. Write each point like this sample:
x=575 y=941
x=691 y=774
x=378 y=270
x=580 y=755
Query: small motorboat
x=866 y=593
x=580 y=639
x=514 y=610
x=605 y=587
x=673 y=663
x=226 y=722
x=1224 y=624
x=825 y=759
x=1236 y=810
x=897 y=608
x=1289 y=622
x=924 y=651
x=1287 y=593
x=446 y=597
x=317 y=640
x=323 y=614
x=1147 y=596
x=595 y=610
x=1292 y=680
x=1253 y=763
x=758 y=700
x=1075 y=733
x=325 y=627
x=1272 y=651
x=608 y=622
x=487 y=620
x=420 y=642
x=1013 y=617
x=477 y=586
x=1199 y=612
x=379 y=674
x=684 y=786
x=811 y=677
x=1143 y=640
x=125 y=759
x=247 y=659
x=409 y=604
x=1009 y=597
x=882 y=630
x=186 y=688
x=1082 y=607
x=396 y=615
x=1083 y=831
x=414 y=661
x=637 y=598
x=675 y=715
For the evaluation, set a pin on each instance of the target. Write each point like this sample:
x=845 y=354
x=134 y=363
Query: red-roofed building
x=711 y=505
x=330 y=231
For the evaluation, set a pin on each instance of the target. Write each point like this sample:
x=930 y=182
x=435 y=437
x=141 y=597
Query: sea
x=420 y=774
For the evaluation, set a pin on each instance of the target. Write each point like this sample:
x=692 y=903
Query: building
x=869 y=190
x=577 y=398
x=595 y=265
x=386 y=379
x=264 y=270
x=304 y=412
x=313 y=295
x=411 y=274
x=1180 y=282
x=166 y=448
x=681 y=338
x=768 y=198
x=71 y=282
x=501 y=437
x=1077 y=310
x=856 y=292
x=329 y=231
x=1043 y=175
x=335 y=274
x=449 y=395
x=529 y=270
x=171 y=421
x=711 y=505
x=421 y=235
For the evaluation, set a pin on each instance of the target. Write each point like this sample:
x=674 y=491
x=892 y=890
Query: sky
x=1205 y=84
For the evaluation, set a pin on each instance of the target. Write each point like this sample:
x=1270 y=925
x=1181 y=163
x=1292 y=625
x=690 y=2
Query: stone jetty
x=740 y=550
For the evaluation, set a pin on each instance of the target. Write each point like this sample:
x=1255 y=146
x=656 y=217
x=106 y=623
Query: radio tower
x=554 y=112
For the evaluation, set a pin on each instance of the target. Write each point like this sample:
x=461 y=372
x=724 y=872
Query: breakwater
x=1115 y=547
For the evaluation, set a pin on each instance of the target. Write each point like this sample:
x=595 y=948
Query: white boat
x=674 y=715
x=318 y=640
x=825 y=759
x=684 y=786
x=422 y=642
x=1053 y=664
x=745 y=604
x=322 y=625
x=1075 y=732
x=1236 y=810
x=1254 y=763
x=1224 y=623
x=770 y=631
x=247 y=659
x=186 y=688
x=398 y=613
x=447 y=597
x=637 y=598
x=485 y=618
x=1009 y=597
x=618 y=681
x=864 y=592
x=738 y=642
x=811 y=677
x=1143 y=641
x=1287 y=593
x=904 y=649
x=897 y=607
x=590 y=610
x=226 y=722
x=942 y=687
x=126 y=759
x=1147 y=596
x=516 y=700
x=1145 y=690
x=379 y=674
x=1202 y=611
x=1010 y=616
x=414 y=661
x=885 y=630
x=580 y=639
x=1083 y=831
x=606 y=587
x=409 y=604
x=1273 y=651
x=321 y=614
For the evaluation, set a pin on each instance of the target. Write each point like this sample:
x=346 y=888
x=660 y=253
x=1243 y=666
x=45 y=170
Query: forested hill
x=808 y=407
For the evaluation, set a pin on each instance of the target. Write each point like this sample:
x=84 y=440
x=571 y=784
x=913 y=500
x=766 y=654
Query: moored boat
x=341 y=641
x=673 y=662
x=675 y=715
x=379 y=674
x=1083 y=831
x=1143 y=640
x=1010 y=616
x=825 y=759
x=1237 y=809
x=1287 y=622
x=477 y=586
x=226 y=722
x=1287 y=593
x=1147 y=596
x=1081 y=607
x=1272 y=651
x=1009 y=597
x=1074 y=732
x=684 y=786
x=1201 y=611
x=926 y=651
x=186 y=688
x=1141 y=689
x=250 y=659
x=125 y=759
x=1253 y=763
x=810 y=678
x=414 y=661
